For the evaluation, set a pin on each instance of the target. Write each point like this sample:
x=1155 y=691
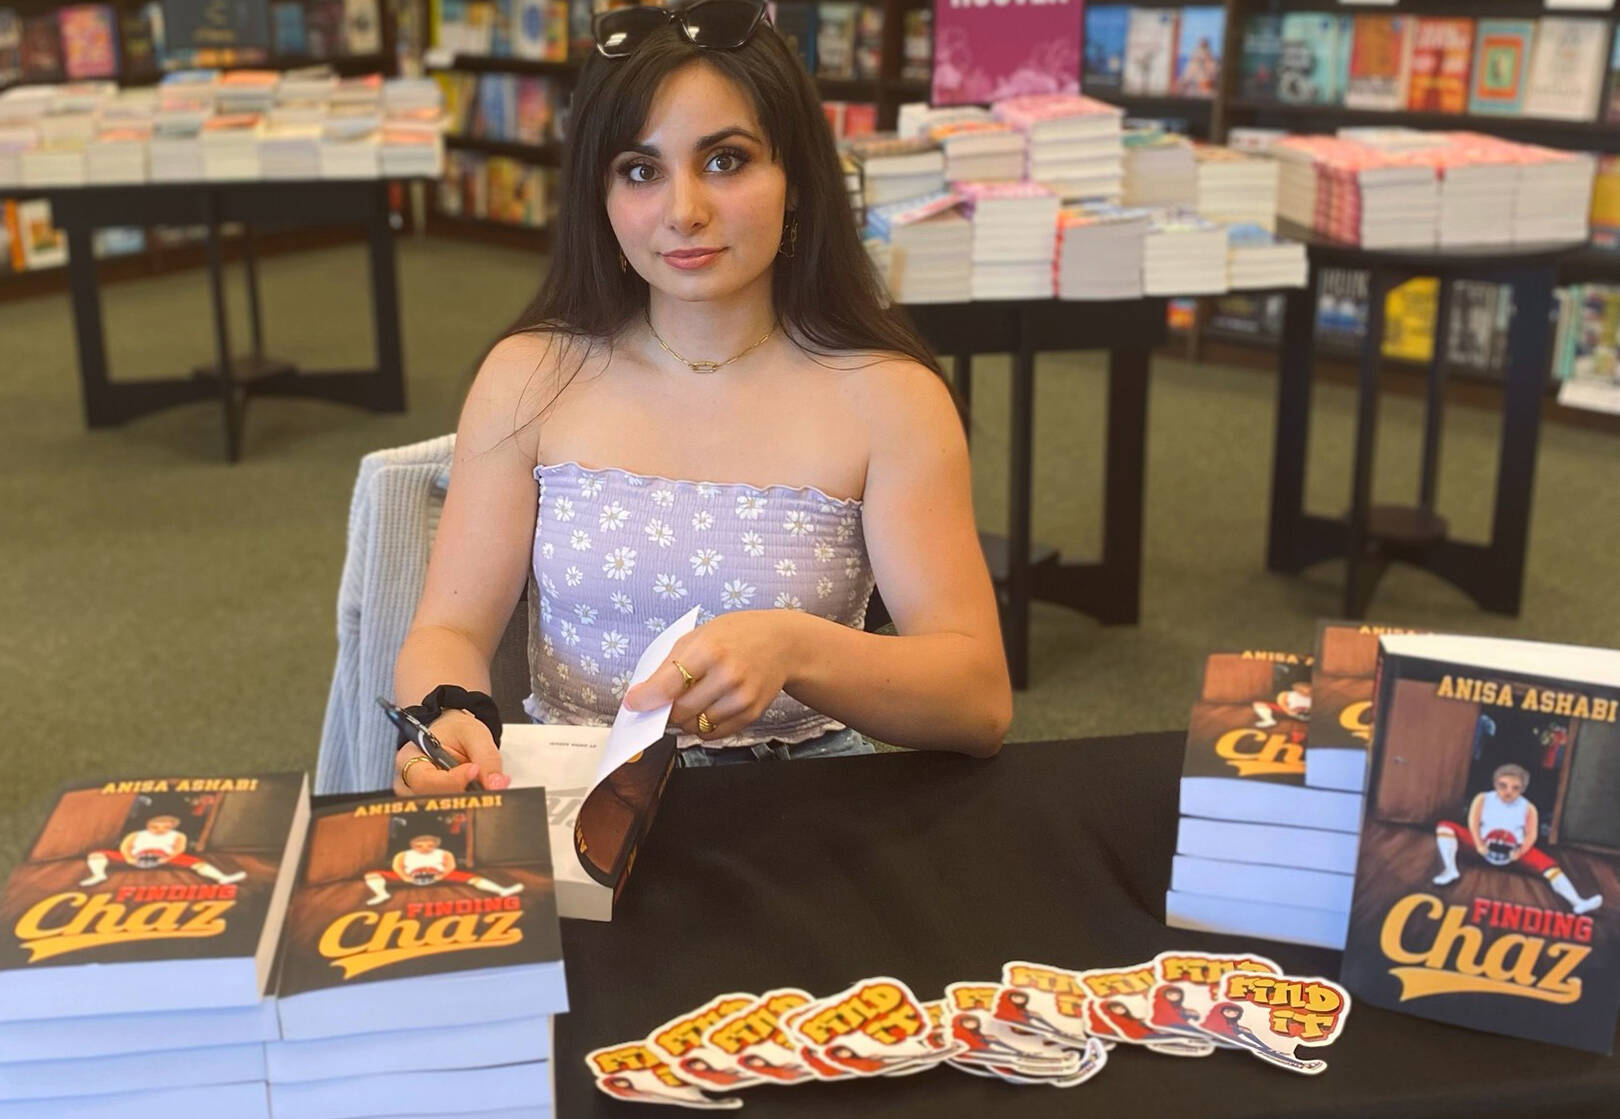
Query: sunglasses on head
x=720 y=25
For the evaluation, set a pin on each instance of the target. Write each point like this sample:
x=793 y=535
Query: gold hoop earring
x=790 y=238
x=624 y=265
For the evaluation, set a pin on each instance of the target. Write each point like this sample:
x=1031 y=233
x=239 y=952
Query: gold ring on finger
x=685 y=675
x=703 y=724
x=405 y=770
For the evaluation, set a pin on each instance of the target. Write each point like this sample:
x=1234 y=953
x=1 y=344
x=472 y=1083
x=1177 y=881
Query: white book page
x=1575 y=663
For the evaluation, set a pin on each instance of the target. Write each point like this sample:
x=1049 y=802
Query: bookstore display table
x=1372 y=536
x=232 y=378
x=934 y=868
x=1110 y=589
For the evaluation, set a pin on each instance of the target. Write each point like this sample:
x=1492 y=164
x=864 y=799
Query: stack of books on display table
x=986 y=149
x=1183 y=254
x=1159 y=169
x=1258 y=852
x=1075 y=145
x=923 y=249
x=1100 y=251
x=201 y=125
x=1014 y=232
x=1236 y=187
x=1258 y=258
x=895 y=168
x=210 y=946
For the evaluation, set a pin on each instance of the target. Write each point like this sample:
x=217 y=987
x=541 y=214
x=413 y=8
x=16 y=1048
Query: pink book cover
x=988 y=52
x=1028 y=110
x=89 y=41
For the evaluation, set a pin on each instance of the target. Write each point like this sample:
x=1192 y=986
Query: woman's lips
x=688 y=260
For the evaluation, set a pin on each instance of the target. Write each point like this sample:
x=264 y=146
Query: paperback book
x=1342 y=704
x=1106 y=28
x=1380 y=62
x=1501 y=66
x=1441 y=52
x=1567 y=69
x=1262 y=55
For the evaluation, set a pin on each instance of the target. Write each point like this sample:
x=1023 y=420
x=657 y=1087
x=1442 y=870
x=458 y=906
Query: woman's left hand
x=739 y=664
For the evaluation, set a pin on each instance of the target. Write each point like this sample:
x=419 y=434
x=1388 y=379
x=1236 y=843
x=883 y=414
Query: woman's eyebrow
x=651 y=150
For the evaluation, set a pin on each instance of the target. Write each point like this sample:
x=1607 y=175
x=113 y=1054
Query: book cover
x=837 y=24
x=1106 y=27
x=1341 y=703
x=917 y=46
x=89 y=41
x=1262 y=56
x=984 y=53
x=527 y=36
x=395 y=890
x=534 y=110
x=1605 y=216
x=362 y=27
x=10 y=46
x=1489 y=870
x=1199 y=47
x=323 y=27
x=796 y=23
x=1476 y=334
x=1380 y=62
x=217 y=32
x=1308 y=70
x=1567 y=69
x=1442 y=50
x=869 y=43
x=287 y=27
x=1613 y=114
x=1409 y=314
x=41 y=49
x=159 y=893
x=1150 y=50
x=1501 y=66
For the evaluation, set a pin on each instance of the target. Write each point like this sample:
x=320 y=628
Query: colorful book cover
x=1567 y=69
x=1501 y=66
x=1613 y=114
x=133 y=885
x=869 y=43
x=219 y=33
x=796 y=23
x=89 y=41
x=1201 y=42
x=287 y=27
x=1441 y=53
x=534 y=110
x=323 y=28
x=1262 y=55
x=362 y=27
x=1488 y=881
x=1342 y=685
x=1150 y=51
x=836 y=29
x=1606 y=203
x=917 y=47
x=986 y=53
x=10 y=46
x=1308 y=71
x=1409 y=313
x=41 y=49
x=1106 y=27
x=1380 y=62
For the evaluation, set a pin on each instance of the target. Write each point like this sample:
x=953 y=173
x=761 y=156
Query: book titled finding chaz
x=1488 y=883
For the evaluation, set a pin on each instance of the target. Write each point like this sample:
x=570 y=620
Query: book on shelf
x=1442 y=52
x=1200 y=45
x=1409 y=314
x=917 y=45
x=1311 y=70
x=1605 y=212
x=869 y=42
x=1150 y=51
x=1107 y=26
x=1501 y=66
x=89 y=41
x=323 y=28
x=1485 y=884
x=41 y=49
x=11 y=32
x=1477 y=333
x=1243 y=313
x=1262 y=56
x=1567 y=69
x=362 y=27
x=152 y=894
x=796 y=23
x=837 y=32
x=1586 y=349
x=233 y=33
x=287 y=27
x=1612 y=108
x=1380 y=69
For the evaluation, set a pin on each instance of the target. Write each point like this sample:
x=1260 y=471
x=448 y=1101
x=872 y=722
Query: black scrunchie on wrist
x=449 y=697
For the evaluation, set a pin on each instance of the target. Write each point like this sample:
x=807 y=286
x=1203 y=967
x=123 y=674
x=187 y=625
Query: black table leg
x=230 y=397
x=1434 y=406
x=1015 y=624
x=1365 y=567
x=1124 y=473
x=250 y=271
x=1295 y=362
x=390 y=392
x=87 y=326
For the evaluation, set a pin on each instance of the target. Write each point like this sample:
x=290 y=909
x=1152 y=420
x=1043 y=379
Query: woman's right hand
x=465 y=738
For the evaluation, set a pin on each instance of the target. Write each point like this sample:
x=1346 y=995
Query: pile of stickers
x=1038 y=1025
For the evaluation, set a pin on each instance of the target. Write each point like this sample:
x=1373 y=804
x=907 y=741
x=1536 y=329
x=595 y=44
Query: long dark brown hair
x=826 y=294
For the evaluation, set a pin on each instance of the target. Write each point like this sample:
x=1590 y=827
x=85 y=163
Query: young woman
x=706 y=405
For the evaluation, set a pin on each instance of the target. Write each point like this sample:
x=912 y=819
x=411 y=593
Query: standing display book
x=151 y=895
x=422 y=912
x=1341 y=704
x=1488 y=884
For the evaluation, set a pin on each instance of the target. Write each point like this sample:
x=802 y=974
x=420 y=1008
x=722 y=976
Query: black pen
x=416 y=730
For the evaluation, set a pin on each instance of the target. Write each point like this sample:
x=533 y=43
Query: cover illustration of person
x=1294 y=704
x=159 y=843
x=1502 y=828
x=424 y=863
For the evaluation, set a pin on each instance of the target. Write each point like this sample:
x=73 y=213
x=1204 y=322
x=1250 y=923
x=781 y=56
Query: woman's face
x=697 y=204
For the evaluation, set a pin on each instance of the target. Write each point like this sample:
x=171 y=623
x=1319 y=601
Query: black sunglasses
x=721 y=25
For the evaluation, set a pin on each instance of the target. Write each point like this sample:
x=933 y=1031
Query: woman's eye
x=725 y=162
x=638 y=172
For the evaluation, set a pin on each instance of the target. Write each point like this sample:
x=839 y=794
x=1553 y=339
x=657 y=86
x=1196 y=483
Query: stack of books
x=1235 y=187
x=230 y=146
x=1554 y=200
x=982 y=150
x=1100 y=249
x=118 y=154
x=289 y=150
x=246 y=91
x=894 y=169
x=922 y=249
x=1258 y=853
x=53 y=164
x=1258 y=258
x=1159 y=169
x=1183 y=254
x=141 y=931
x=1014 y=238
x=1076 y=143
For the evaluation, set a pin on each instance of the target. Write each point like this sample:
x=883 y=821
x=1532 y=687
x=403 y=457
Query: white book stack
x=1257 y=141
x=918 y=117
x=894 y=169
x=1183 y=254
x=1014 y=238
x=69 y=126
x=175 y=151
x=1296 y=178
x=22 y=104
x=350 y=149
x=118 y=155
x=924 y=250
x=314 y=83
x=230 y=146
x=360 y=92
x=1554 y=200
x=405 y=94
x=1361 y=195
x=1160 y=170
x=1257 y=258
x=1099 y=254
x=1236 y=188
x=290 y=151
x=1477 y=191
x=408 y=152
x=1075 y=143
x=14 y=140
x=291 y=113
x=980 y=151
x=1399 y=203
x=246 y=91
x=136 y=105
x=81 y=97
x=54 y=164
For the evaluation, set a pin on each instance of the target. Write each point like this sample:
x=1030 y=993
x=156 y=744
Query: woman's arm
x=480 y=555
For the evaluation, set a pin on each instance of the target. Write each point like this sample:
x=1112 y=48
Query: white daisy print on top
x=824 y=551
x=562 y=509
x=750 y=506
x=545 y=609
x=656 y=625
x=573 y=576
x=659 y=533
x=621 y=602
x=663 y=498
x=669 y=586
x=785 y=601
x=614 y=644
x=753 y=543
x=706 y=490
x=634 y=480
x=704 y=615
x=547 y=646
x=589 y=664
x=852 y=567
x=579 y=540
x=787 y=568
x=548 y=549
x=612 y=517
x=590 y=487
x=702 y=520
x=736 y=594
x=846 y=527
x=619 y=563
x=621 y=683
x=549 y=587
x=824 y=587
x=587 y=696
x=585 y=614
x=562 y=670
x=798 y=523
x=570 y=633
x=706 y=561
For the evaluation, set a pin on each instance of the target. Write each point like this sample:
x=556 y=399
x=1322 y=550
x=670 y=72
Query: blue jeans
x=833 y=744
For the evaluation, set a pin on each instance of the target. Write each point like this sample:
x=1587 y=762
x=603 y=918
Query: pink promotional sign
x=985 y=50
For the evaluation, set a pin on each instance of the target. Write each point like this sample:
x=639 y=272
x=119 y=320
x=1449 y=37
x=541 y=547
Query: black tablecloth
x=934 y=868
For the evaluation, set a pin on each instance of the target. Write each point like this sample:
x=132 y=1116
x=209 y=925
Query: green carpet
x=165 y=611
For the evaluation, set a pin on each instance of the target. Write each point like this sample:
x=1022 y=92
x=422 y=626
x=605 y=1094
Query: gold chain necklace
x=707 y=366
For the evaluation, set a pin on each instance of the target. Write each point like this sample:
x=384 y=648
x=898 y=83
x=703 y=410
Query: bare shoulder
x=521 y=378
x=905 y=404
